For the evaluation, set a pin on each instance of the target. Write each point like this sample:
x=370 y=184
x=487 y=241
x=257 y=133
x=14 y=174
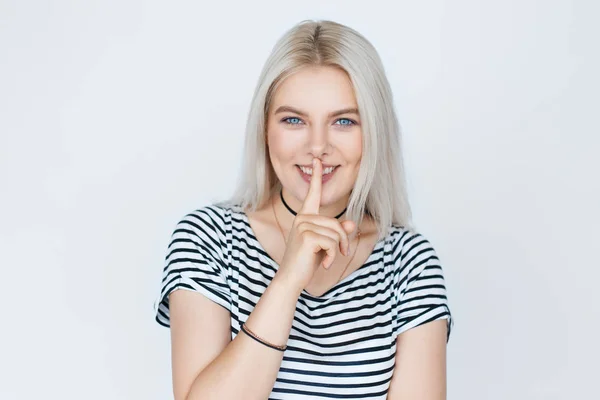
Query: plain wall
x=118 y=117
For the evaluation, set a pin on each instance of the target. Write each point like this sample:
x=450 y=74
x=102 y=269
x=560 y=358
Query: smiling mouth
x=306 y=170
x=325 y=177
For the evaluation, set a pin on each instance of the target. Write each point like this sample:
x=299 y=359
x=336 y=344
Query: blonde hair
x=380 y=187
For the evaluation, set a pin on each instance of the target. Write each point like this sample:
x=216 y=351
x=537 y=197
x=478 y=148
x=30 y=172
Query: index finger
x=312 y=201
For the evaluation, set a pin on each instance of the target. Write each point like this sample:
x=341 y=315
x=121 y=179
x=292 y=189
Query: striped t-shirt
x=341 y=344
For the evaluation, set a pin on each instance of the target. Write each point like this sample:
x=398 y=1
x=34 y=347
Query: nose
x=318 y=140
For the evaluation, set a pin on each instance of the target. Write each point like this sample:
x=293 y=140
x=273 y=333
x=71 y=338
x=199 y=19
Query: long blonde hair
x=380 y=187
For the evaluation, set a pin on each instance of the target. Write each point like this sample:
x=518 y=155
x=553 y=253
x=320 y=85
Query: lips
x=322 y=165
x=325 y=178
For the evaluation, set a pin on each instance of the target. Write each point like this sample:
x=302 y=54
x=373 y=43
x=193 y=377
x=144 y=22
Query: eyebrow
x=350 y=110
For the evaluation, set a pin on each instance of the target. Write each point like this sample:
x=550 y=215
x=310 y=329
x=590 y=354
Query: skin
x=296 y=137
x=316 y=92
x=204 y=358
x=304 y=122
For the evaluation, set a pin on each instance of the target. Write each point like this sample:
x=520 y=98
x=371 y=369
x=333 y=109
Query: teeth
x=309 y=171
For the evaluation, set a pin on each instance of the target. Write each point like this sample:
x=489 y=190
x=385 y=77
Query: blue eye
x=286 y=120
x=346 y=119
x=297 y=121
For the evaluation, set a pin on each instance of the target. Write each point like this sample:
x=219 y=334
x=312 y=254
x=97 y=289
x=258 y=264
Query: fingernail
x=348 y=249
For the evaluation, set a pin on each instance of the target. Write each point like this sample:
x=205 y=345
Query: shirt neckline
x=304 y=293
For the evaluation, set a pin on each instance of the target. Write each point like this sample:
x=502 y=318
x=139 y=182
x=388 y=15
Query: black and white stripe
x=342 y=344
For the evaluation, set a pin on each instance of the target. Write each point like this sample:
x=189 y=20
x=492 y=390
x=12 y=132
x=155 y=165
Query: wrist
x=287 y=283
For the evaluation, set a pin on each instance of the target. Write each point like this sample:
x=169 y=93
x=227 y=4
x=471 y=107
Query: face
x=314 y=114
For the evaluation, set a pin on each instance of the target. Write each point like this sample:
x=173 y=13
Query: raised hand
x=314 y=239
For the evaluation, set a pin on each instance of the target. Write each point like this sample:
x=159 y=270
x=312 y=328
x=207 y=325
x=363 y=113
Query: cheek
x=282 y=144
x=351 y=147
x=281 y=147
x=358 y=145
x=358 y=149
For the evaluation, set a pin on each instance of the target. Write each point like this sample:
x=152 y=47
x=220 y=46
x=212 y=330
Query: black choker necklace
x=295 y=213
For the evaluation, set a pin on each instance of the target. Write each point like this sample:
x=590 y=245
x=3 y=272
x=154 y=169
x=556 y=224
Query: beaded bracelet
x=259 y=340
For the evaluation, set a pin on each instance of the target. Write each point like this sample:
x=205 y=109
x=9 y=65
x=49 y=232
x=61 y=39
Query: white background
x=118 y=117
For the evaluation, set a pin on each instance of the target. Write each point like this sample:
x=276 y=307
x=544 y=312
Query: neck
x=286 y=217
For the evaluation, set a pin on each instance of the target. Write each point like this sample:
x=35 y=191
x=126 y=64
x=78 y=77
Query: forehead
x=316 y=90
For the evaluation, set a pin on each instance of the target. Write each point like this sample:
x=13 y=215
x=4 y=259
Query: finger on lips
x=312 y=202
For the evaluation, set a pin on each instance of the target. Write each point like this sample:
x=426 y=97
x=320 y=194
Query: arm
x=208 y=365
x=420 y=371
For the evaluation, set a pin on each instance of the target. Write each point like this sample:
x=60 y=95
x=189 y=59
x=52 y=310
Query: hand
x=314 y=239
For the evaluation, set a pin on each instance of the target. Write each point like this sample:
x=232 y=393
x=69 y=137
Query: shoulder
x=418 y=281
x=213 y=217
x=206 y=227
x=410 y=247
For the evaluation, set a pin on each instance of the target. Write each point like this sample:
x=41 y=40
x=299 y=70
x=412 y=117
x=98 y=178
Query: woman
x=310 y=281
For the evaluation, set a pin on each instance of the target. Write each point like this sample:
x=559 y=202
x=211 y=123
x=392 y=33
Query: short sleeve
x=420 y=294
x=195 y=261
